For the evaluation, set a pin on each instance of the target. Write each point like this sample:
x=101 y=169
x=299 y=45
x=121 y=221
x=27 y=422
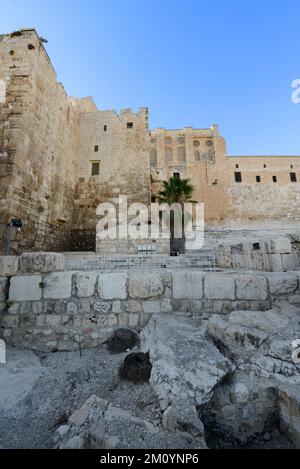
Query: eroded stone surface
x=145 y=286
x=41 y=262
x=184 y=362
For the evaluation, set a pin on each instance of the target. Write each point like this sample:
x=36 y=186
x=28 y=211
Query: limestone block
x=58 y=286
x=42 y=262
x=25 y=288
x=134 y=320
x=251 y=287
x=289 y=262
x=81 y=416
x=85 y=284
x=219 y=287
x=9 y=266
x=112 y=286
x=3 y=289
x=282 y=284
x=132 y=306
x=187 y=285
x=145 y=286
x=151 y=307
x=280 y=246
x=102 y=307
x=276 y=263
x=166 y=306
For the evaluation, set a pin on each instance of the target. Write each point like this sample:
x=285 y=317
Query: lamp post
x=15 y=223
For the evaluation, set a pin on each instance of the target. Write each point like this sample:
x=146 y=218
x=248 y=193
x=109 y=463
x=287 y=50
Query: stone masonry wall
x=119 y=143
x=67 y=310
x=38 y=145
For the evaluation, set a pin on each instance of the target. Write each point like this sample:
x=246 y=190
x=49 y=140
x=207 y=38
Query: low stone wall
x=69 y=310
x=278 y=254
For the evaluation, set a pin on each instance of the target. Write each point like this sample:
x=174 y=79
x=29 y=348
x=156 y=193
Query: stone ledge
x=40 y=262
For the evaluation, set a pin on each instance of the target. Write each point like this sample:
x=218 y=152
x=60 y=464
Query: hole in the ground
x=122 y=341
x=136 y=368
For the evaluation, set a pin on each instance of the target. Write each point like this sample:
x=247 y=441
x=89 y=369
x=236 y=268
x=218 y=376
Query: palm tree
x=179 y=191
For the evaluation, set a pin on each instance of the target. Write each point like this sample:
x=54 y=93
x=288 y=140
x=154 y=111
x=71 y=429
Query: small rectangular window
x=238 y=177
x=265 y=166
x=176 y=175
x=293 y=177
x=258 y=179
x=256 y=247
x=129 y=125
x=96 y=148
x=274 y=178
x=105 y=128
x=95 y=169
x=237 y=166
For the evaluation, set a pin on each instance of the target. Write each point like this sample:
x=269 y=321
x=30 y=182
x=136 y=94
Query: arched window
x=153 y=156
x=181 y=155
x=169 y=155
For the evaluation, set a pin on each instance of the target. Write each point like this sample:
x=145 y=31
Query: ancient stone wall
x=38 y=144
x=54 y=309
x=266 y=190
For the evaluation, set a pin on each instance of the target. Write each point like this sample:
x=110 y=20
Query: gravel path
x=67 y=381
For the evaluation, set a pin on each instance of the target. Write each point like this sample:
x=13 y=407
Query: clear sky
x=192 y=62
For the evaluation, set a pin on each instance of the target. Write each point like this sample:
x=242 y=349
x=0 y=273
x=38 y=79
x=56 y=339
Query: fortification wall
x=38 y=144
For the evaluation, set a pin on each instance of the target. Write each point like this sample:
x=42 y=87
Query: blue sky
x=192 y=62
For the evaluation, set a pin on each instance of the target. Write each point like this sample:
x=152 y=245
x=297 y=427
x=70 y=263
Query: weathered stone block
x=151 y=307
x=187 y=285
x=42 y=262
x=134 y=320
x=251 y=287
x=102 y=307
x=276 y=263
x=112 y=286
x=290 y=262
x=3 y=289
x=282 y=284
x=58 y=285
x=280 y=246
x=132 y=306
x=166 y=306
x=85 y=284
x=25 y=288
x=53 y=320
x=9 y=266
x=145 y=286
x=219 y=287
